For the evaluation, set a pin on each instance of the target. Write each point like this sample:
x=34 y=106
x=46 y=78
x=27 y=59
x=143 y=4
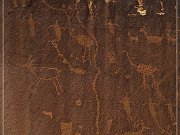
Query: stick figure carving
x=44 y=74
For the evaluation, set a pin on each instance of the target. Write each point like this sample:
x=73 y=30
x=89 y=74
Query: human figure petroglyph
x=127 y=107
x=44 y=74
x=57 y=30
x=146 y=70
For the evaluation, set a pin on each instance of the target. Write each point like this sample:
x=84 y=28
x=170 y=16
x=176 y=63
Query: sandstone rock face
x=90 y=67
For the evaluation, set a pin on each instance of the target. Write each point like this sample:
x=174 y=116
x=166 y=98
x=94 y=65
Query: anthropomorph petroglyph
x=127 y=107
x=44 y=74
x=57 y=31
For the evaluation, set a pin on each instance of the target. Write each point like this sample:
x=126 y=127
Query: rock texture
x=90 y=67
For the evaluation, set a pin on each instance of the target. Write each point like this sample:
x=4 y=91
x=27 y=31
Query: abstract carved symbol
x=146 y=70
x=66 y=128
x=44 y=74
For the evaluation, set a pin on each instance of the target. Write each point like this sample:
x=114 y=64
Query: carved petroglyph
x=146 y=70
x=127 y=107
x=66 y=128
x=65 y=61
x=78 y=102
x=133 y=38
x=49 y=114
x=156 y=85
x=154 y=114
x=57 y=30
x=138 y=124
x=111 y=27
x=98 y=72
x=170 y=108
x=31 y=23
x=154 y=39
x=44 y=74
x=111 y=57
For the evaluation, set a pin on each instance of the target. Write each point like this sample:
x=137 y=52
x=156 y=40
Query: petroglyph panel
x=90 y=67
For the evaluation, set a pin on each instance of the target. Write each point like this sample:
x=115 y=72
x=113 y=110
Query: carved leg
x=57 y=86
x=35 y=84
x=144 y=84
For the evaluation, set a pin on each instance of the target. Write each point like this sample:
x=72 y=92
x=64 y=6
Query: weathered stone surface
x=82 y=68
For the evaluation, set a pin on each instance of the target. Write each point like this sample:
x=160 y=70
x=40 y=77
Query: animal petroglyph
x=49 y=114
x=66 y=128
x=31 y=23
x=45 y=74
x=127 y=107
x=146 y=70
x=154 y=39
